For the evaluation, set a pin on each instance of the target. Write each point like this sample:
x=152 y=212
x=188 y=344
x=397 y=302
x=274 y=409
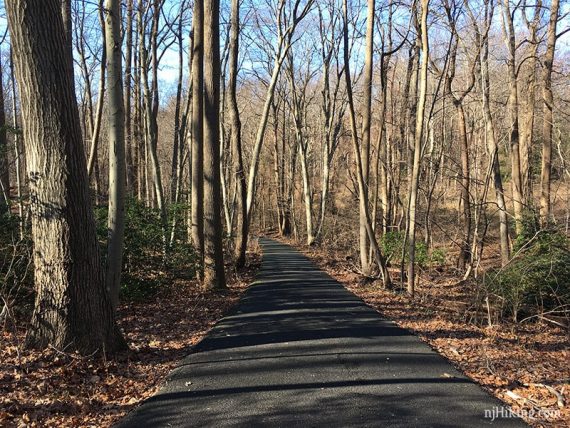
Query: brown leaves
x=52 y=388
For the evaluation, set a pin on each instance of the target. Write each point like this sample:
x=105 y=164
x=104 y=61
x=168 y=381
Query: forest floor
x=54 y=388
x=524 y=364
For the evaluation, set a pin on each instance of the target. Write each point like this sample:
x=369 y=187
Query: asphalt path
x=300 y=350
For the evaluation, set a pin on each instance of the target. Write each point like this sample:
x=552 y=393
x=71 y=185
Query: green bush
x=145 y=268
x=392 y=245
x=537 y=279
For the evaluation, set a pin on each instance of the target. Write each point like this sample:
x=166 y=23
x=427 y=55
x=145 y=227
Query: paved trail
x=301 y=350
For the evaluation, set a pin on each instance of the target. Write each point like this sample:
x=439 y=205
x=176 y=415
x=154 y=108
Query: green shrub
x=145 y=269
x=392 y=245
x=537 y=279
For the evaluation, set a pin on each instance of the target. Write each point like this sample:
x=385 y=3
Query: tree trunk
x=363 y=203
x=527 y=114
x=214 y=276
x=418 y=140
x=365 y=149
x=513 y=109
x=197 y=133
x=100 y=101
x=4 y=170
x=72 y=308
x=547 y=107
x=130 y=148
x=151 y=117
x=465 y=250
x=493 y=148
x=240 y=243
x=116 y=217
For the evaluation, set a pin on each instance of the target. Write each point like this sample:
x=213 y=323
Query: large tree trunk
x=197 y=132
x=240 y=243
x=214 y=276
x=72 y=308
x=116 y=217
x=547 y=107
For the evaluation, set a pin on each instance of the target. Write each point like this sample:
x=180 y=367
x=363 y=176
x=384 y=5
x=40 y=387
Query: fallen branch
x=559 y=397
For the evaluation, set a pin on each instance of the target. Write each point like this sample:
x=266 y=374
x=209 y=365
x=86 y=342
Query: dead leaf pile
x=55 y=388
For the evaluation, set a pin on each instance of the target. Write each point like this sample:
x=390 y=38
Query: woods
x=149 y=141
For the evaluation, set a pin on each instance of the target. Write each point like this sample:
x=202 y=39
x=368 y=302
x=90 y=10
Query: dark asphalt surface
x=300 y=350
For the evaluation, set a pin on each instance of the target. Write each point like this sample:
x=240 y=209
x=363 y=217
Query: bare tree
x=363 y=202
x=482 y=37
x=418 y=141
x=513 y=107
x=547 y=108
x=286 y=26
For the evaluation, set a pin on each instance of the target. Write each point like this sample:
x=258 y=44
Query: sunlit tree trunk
x=547 y=107
x=72 y=308
x=17 y=147
x=116 y=217
x=365 y=149
x=418 y=140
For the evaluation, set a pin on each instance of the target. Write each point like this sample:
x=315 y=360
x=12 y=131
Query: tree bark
x=240 y=242
x=197 y=133
x=116 y=217
x=72 y=308
x=366 y=115
x=214 y=276
x=418 y=140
